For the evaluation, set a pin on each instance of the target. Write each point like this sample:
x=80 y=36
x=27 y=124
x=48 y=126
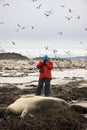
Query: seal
x=31 y=104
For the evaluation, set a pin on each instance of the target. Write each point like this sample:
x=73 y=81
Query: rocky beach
x=19 y=76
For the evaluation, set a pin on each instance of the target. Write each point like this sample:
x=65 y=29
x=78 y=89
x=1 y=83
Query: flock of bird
x=47 y=14
x=67 y=52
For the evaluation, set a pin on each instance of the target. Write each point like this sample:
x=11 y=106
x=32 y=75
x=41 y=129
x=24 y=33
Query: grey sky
x=46 y=29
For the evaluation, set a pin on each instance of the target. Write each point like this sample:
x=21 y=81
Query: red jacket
x=46 y=69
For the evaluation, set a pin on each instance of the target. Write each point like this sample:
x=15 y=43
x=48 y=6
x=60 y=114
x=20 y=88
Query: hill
x=7 y=56
x=76 y=58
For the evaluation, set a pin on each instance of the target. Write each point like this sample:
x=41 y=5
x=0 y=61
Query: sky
x=37 y=27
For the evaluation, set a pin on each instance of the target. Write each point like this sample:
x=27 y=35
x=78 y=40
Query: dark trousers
x=46 y=83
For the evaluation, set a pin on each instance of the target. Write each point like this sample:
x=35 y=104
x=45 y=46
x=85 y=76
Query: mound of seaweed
x=9 y=55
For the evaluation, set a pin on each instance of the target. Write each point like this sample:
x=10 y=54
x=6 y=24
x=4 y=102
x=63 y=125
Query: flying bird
x=38 y=7
x=17 y=30
x=34 y=0
x=54 y=51
x=67 y=52
x=62 y=5
x=6 y=4
x=78 y=17
x=48 y=13
x=60 y=33
x=81 y=42
x=46 y=48
x=32 y=27
x=23 y=27
x=70 y=10
x=85 y=29
x=1 y=22
x=68 y=18
x=13 y=43
x=19 y=25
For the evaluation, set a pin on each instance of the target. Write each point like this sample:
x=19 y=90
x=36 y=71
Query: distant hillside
x=76 y=58
x=7 y=56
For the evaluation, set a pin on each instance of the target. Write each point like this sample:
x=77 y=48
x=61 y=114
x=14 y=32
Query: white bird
x=48 y=13
x=19 y=25
x=32 y=27
x=62 y=5
x=68 y=18
x=60 y=33
x=85 y=29
x=13 y=43
x=1 y=22
x=46 y=48
x=67 y=52
x=54 y=51
x=6 y=4
x=38 y=7
x=34 y=0
x=23 y=27
x=81 y=42
x=78 y=17
x=70 y=10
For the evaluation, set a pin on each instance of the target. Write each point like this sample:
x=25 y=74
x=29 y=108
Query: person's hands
x=44 y=61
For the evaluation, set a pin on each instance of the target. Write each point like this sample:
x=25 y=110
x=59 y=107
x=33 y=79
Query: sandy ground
x=20 y=77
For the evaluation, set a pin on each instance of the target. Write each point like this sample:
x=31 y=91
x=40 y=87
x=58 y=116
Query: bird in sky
x=19 y=25
x=6 y=4
x=1 y=22
x=17 y=30
x=78 y=17
x=13 y=43
x=70 y=10
x=46 y=47
x=68 y=18
x=38 y=7
x=54 y=51
x=81 y=42
x=62 y=5
x=32 y=27
x=67 y=52
x=60 y=33
x=85 y=29
x=34 y=0
x=23 y=27
x=48 y=13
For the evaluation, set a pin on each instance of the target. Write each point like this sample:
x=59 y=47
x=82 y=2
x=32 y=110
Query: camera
x=41 y=70
x=44 y=61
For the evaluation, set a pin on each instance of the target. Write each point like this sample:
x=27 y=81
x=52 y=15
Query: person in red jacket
x=45 y=66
